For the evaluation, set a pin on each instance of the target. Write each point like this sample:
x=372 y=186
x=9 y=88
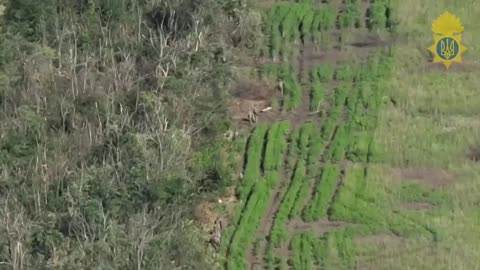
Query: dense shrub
x=112 y=116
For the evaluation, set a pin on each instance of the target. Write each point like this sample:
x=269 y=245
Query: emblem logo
x=447 y=34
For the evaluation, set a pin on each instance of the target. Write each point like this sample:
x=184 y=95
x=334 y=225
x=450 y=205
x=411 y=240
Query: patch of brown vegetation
x=229 y=196
x=229 y=199
x=433 y=177
x=205 y=215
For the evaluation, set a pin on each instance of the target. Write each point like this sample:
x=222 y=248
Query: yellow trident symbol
x=447 y=48
x=447 y=34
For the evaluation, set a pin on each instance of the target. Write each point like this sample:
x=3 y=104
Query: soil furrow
x=337 y=189
x=263 y=232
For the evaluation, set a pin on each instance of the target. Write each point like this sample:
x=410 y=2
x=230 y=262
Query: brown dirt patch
x=312 y=55
x=378 y=239
x=255 y=90
x=433 y=177
x=249 y=94
x=365 y=39
x=418 y=206
x=239 y=107
x=321 y=226
x=362 y=44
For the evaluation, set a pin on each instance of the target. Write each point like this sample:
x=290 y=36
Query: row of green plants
x=345 y=247
x=288 y=23
x=293 y=153
x=365 y=107
x=252 y=172
x=321 y=249
x=317 y=145
x=302 y=251
x=363 y=100
x=296 y=192
x=258 y=198
x=353 y=200
x=321 y=75
x=309 y=145
x=325 y=188
x=336 y=112
x=327 y=185
x=279 y=231
x=356 y=105
x=335 y=130
x=357 y=202
x=292 y=95
x=309 y=159
x=379 y=15
x=332 y=250
x=304 y=140
x=293 y=150
x=252 y=166
x=366 y=205
x=350 y=15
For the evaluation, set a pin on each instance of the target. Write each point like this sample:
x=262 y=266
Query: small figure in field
x=216 y=234
x=255 y=113
x=252 y=116
x=280 y=85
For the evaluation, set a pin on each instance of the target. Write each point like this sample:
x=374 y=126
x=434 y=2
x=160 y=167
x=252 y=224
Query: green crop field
x=239 y=135
x=379 y=177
